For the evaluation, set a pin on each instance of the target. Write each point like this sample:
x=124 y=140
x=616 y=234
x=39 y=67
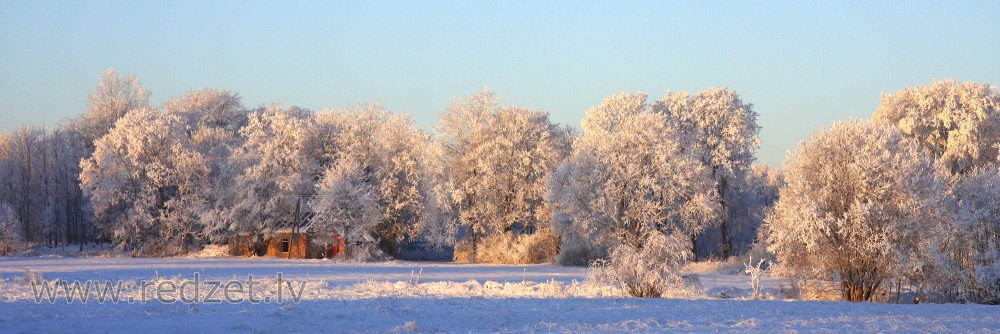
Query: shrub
x=651 y=270
x=538 y=247
x=572 y=253
x=11 y=231
x=366 y=252
x=756 y=270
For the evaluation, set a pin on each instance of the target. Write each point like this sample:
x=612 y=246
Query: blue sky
x=803 y=64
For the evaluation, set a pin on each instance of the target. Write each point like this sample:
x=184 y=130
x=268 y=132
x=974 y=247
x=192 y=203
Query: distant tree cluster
x=909 y=197
x=673 y=166
x=497 y=183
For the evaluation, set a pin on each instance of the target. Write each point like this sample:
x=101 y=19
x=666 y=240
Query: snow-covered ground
x=437 y=297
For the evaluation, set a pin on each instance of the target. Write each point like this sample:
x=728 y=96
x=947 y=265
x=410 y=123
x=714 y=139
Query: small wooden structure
x=338 y=246
x=287 y=245
x=241 y=245
x=293 y=240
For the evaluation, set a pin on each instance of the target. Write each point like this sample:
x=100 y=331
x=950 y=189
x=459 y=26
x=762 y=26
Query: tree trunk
x=723 y=224
x=858 y=292
x=694 y=246
x=26 y=195
x=69 y=226
x=475 y=241
x=295 y=224
x=347 y=243
x=725 y=239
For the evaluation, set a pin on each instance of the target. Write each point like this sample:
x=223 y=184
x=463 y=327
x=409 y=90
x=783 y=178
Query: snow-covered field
x=435 y=297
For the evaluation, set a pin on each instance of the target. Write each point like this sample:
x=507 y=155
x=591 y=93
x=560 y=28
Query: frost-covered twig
x=756 y=271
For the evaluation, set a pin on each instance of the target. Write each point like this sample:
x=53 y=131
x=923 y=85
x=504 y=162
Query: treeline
x=909 y=197
x=498 y=183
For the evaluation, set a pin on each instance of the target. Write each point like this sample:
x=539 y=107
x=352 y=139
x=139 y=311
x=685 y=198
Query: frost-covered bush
x=731 y=266
x=988 y=278
x=30 y=277
x=11 y=231
x=756 y=270
x=651 y=270
x=575 y=251
x=758 y=250
x=367 y=252
x=538 y=247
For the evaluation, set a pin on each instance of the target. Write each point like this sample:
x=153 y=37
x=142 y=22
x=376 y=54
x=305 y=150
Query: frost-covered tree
x=211 y=108
x=143 y=180
x=213 y=119
x=968 y=253
x=272 y=172
x=629 y=177
x=724 y=134
x=113 y=97
x=11 y=231
x=766 y=182
x=439 y=223
x=749 y=200
x=20 y=151
x=492 y=163
x=758 y=196
x=70 y=220
x=958 y=122
x=575 y=190
x=856 y=199
x=389 y=152
x=346 y=203
x=40 y=169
